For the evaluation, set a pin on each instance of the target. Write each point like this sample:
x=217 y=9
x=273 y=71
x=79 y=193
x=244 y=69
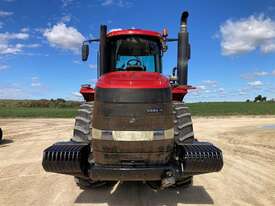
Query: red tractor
x=134 y=126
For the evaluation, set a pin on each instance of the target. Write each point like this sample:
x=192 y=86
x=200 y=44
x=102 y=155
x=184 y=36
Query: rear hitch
x=168 y=179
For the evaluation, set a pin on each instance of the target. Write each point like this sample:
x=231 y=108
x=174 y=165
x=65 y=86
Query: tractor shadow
x=137 y=193
x=5 y=142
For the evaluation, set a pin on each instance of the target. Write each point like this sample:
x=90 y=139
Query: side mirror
x=85 y=52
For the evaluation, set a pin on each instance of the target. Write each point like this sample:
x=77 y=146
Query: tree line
x=45 y=103
x=260 y=98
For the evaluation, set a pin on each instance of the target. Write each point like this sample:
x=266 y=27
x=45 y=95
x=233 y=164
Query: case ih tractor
x=134 y=126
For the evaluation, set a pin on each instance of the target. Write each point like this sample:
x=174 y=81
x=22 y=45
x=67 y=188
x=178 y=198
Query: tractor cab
x=134 y=56
x=134 y=50
x=127 y=50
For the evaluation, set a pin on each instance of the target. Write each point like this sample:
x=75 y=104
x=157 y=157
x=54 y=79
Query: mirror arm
x=171 y=40
x=90 y=41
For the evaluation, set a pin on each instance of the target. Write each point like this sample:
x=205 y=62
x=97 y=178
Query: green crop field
x=232 y=108
x=38 y=112
x=38 y=108
x=57 y=109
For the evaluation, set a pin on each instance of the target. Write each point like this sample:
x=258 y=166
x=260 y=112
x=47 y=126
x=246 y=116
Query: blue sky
x=233 y=44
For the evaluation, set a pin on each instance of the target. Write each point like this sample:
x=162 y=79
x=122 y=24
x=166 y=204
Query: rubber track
x=183 y=123
x=83 y=123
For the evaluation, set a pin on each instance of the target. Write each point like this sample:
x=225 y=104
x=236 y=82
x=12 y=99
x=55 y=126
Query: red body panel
x=133 y=80
x=134 y=32
x=178 y=92
x=87 y=92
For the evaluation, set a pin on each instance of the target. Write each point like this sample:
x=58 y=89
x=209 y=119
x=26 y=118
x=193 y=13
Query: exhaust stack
x=102 y=50
x=183 y=50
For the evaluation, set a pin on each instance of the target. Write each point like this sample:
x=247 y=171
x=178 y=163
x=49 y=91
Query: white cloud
x=253 y=75
x=15 y=49
x=66 y=3
x=255 y=83
x=107 y=2
x=66 y=18
x=242 y=93
x=261 y=73
x=268 y=47
x=210 y=82
x=31 y=45
x=76 y=61
x=8 y=36
x=119 y=3
x=207 y=86
x=24 y=90
x=25 y=29
x=6 y=47
x=12 y=92
x=5 y=13
x=201 y=87
x=248 y=34
x=3 y=66
x=64 y=37
x=93 y=66
x=248 y=76
x=273 y=73
x=209 y=89
x=36 y=82
x=76 y=94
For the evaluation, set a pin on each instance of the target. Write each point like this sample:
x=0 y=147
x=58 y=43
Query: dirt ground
x=248 y=144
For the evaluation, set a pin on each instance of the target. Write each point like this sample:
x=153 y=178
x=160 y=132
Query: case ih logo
x=154 y=110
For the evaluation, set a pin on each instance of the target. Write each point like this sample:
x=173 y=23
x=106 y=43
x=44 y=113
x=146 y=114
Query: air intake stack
x=183 y=50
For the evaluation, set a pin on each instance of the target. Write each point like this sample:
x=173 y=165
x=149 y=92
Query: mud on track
x=247 y=178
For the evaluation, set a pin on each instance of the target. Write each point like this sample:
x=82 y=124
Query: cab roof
x=127 y=32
